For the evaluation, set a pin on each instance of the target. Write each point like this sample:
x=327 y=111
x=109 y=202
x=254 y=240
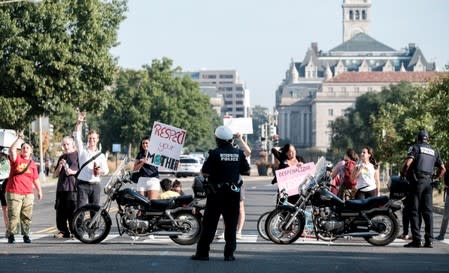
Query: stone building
x=318 y=89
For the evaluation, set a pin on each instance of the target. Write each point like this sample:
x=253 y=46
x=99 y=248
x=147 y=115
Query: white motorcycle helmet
x=223 y=133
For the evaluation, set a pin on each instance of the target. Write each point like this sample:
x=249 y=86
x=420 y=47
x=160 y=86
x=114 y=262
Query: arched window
x=351 y=15
x=363 y=14
x=357 y=15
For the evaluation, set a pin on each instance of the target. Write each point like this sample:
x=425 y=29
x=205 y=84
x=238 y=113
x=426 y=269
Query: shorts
x=148 y=184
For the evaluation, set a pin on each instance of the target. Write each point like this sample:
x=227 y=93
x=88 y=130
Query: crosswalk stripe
x=246 y=239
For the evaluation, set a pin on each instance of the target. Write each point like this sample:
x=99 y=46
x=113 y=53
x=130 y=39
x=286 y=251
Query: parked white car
x=189 y=166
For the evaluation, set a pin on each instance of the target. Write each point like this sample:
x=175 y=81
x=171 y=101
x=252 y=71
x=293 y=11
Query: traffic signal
x=272 y=131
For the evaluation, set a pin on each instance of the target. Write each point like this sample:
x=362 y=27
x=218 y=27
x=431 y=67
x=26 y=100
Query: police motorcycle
x=178 y=218
x=373 y=219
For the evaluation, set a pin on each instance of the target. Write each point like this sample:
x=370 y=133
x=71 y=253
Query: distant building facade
x=228 y=93
x=323 y=85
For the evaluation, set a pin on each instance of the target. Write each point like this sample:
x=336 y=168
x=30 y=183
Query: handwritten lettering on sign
x=166 y=143
x=290 y=178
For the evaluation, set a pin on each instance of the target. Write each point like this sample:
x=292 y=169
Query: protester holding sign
x=23 y=179
x=287 y=158
x=147 y=175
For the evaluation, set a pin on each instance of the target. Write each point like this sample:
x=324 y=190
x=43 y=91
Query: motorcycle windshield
x=311 y=181
x=115 y=176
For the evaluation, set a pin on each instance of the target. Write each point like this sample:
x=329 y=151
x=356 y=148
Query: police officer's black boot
x=197 y=257
x=414 y=243
x=229 y=257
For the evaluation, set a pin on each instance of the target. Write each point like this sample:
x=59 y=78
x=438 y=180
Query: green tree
x=360 y=126
x=56 y=54
x=155 y=94
x=423 y=108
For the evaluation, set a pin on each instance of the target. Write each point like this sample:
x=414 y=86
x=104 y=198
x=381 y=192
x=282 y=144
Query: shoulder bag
x=85 y=164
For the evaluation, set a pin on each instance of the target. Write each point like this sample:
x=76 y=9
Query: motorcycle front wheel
x=85 y=230
x=387 y=226
x=276 y=229
x=190 y=226
x=261 y=225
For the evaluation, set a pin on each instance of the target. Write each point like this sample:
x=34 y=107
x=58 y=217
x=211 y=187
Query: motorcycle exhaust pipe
x=361 y=234
x=166 y=233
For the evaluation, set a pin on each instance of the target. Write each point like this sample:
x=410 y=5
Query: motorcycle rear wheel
x=81 y=221
x=275 y=226
x=388 y=228
x=190 y=226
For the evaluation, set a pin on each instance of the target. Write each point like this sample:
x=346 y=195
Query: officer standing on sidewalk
x=418 y=168
x=222 y=168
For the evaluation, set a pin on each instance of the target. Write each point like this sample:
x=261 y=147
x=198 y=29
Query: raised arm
x=243 y=145
x=77 y=132
x=15 y=145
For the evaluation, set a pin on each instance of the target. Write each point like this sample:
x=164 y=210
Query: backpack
x=348 y=181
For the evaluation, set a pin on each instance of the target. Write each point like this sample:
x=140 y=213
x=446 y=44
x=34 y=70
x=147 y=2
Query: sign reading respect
x=166 y=143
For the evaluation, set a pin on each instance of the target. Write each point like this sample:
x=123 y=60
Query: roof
x=387 y=77
x=362 y=42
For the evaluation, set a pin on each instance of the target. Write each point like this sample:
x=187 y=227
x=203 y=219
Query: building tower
x=356 y=17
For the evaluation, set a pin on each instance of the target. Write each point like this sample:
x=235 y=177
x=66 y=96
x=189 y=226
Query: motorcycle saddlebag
x=198 y=188
x=399 y=188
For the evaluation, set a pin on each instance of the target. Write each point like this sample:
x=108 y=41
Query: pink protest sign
x=290 y=178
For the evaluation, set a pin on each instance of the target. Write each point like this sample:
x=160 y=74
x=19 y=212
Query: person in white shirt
x=366 y=173
x=88 y=181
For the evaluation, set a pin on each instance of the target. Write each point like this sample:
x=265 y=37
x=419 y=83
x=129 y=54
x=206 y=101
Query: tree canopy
x=156 y=94
x=388 y=121
x=56 y=54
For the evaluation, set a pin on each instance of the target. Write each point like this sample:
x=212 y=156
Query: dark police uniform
x=224 y=166
x=425 y=158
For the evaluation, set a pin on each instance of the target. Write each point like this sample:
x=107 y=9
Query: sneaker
x=238 y=236
x=59 y=235
x=439 y=238
x=26 y=239
x=219 y=235
x=11 y=239
x=428 y=244
x=405 y=237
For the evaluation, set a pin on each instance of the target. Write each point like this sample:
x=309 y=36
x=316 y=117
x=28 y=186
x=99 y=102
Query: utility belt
x=211 y=188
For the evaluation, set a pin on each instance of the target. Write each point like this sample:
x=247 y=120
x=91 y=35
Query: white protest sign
x=239 y=125
x=7 y=137
x=166 y=143
x=290 y=178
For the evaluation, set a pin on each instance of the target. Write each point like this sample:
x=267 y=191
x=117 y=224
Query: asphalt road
x=254 y=254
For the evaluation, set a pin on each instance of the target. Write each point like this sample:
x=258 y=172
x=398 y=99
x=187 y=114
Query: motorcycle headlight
x=109 y=186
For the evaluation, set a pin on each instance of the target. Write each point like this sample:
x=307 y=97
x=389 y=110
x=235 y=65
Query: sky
x=258 y=38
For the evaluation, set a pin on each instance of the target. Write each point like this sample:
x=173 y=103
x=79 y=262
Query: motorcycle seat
x=367 y=203
x=161 y=204
x=183 y=200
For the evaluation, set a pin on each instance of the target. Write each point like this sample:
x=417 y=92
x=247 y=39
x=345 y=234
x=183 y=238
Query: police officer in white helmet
x=222 y=169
